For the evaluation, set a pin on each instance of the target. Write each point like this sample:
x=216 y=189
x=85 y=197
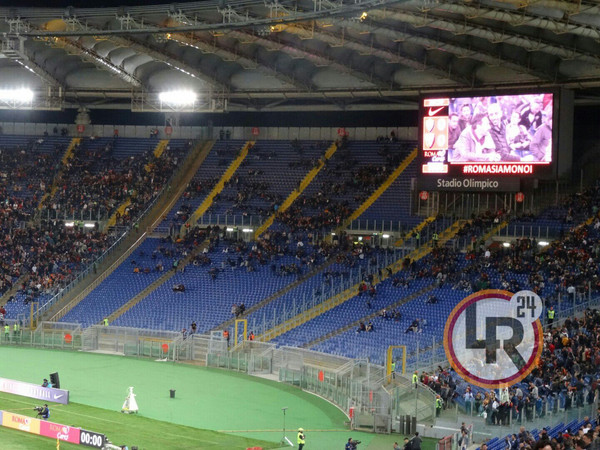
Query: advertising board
x=34 y=391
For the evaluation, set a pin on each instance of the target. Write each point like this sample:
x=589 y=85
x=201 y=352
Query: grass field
x=120 y=428
x=213 y=409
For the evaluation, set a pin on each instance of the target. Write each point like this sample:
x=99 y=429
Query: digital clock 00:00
x=91 y=439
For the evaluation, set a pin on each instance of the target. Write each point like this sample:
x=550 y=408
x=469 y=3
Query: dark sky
x=90 y=4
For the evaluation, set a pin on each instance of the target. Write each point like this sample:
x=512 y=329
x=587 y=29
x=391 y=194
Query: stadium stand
x=358 y=299
x=277 y=256
x=46 y=258
x=334 y=179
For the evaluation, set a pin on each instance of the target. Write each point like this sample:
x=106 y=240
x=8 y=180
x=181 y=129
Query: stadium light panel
x=385 y=236
x=16 y=95
x=89 y=225
x=543 y=243
x=247 y=230
x=506 y=244
x=178 y=98
x=69 y=224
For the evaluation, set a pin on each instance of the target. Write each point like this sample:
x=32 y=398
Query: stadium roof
x=275 y=55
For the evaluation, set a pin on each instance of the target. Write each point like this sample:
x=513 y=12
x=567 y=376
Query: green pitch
x=212 y=408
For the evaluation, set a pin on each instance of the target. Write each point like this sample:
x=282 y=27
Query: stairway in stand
x=233 y=167
x=380 y=190
x=158 y=151
x=164 y=203
x=349 y=293
x=67 y=155
x=296 y=192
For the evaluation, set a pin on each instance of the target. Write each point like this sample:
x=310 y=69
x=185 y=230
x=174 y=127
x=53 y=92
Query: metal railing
x=361 y=389
x=412 y=400
x=358 y=387
x=231 y=220
x=90 y=215
x=382 y=226
x=529 y=231
x=547 y=411
x=327 y=289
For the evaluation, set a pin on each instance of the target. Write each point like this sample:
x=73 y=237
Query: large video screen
x=494 y=134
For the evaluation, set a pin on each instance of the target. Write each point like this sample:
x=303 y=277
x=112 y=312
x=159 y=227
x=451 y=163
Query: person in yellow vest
x=418 y=239
x=301 y=438
x=551 y=314
x=105 y=322
x=415 y=379
x=7 y=332
x=393 y=369
x=438 y=405
x=436 y=238
x=16 y=329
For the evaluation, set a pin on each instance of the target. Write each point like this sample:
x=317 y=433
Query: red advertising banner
x=58 y=431
x=19 y=422
x=52 y=430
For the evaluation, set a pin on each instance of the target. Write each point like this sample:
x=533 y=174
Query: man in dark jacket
x=541 y=143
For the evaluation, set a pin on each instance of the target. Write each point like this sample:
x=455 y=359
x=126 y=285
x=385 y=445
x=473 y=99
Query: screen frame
x=540 y=170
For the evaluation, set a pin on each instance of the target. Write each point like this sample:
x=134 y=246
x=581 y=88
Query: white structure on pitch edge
x=130 y=406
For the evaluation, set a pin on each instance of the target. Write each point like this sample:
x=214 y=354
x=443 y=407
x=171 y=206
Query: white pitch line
x=90 y=417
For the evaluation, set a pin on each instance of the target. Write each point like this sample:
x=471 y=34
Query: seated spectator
x=414 y=326
x=432 y=299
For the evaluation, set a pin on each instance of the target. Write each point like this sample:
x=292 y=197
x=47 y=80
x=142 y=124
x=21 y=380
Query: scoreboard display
x=488 y=135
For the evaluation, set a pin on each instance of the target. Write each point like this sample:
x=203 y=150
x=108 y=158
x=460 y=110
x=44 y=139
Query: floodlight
x=89 y=225
x=16 y=95
x=247 y=230
x=69 y=224
x=178 y=98
x=543 y=243
x=506 y=244
x=229 y=229
x=385 y=236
